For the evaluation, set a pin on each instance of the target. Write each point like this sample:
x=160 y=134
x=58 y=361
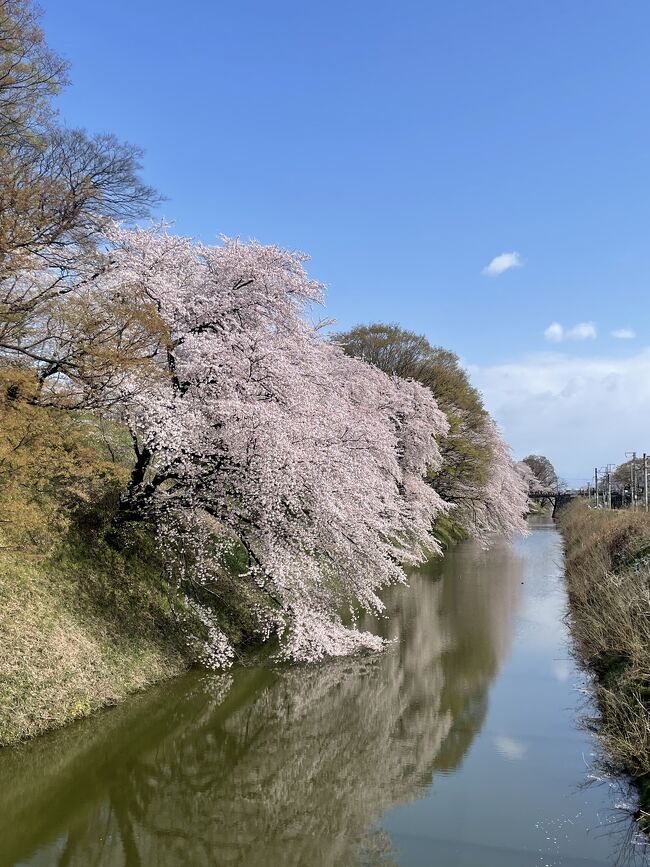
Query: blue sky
x=404 y=146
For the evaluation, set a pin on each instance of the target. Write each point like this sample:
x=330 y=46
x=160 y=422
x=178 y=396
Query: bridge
x=558 y=499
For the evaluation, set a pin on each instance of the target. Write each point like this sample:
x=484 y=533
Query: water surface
x=458 y=747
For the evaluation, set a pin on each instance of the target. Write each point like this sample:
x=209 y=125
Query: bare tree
x=30 y=74
x=58 y=190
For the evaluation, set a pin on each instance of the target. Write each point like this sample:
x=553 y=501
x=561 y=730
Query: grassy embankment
x=84 y=621
x=80 y=629
x=608 y=576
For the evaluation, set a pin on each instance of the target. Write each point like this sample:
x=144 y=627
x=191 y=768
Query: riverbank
x=81 y=629
x=608 y=580
x=88 y=616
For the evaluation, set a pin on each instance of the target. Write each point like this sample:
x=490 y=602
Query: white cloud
x=502 y=263
x=580 y=412
x=582 y=331
x=624 y=333
x=561 y=669
x=554 y=332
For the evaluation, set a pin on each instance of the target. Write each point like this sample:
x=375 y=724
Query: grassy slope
x=79 y=630
x=608 y=575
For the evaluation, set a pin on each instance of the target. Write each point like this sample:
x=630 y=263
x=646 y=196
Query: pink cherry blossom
x=312 y=460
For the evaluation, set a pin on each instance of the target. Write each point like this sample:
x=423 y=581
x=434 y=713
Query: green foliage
x=404 y=353
x=448 y=532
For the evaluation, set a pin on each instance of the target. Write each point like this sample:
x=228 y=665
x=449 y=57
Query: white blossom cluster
x=214 y=651
x=499 y=504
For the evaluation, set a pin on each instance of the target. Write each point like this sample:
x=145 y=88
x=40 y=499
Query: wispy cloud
x=556 y=332
x=582 y=331
x=624 y=333
x=502 y=263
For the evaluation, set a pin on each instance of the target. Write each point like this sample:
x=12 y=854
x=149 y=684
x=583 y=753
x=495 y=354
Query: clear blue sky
x=404 y=146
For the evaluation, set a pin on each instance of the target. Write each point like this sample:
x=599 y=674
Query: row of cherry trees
x=475 y=474
x=318 y=463
x=252 y=430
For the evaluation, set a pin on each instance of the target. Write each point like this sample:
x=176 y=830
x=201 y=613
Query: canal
x=460 y=746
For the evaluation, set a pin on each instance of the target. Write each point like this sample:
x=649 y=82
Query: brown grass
x=608 y=577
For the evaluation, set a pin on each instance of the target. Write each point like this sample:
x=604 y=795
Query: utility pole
x=645 y=480
x=632 y=479
x=609 y=487
x=608 y=470
x=596 y=485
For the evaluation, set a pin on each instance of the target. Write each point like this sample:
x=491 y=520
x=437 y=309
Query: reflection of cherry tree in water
x=478 y=597
x=295 y=765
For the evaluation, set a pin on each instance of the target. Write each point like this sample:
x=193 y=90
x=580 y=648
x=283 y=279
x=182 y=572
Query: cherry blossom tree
x=500 y=504
x=313 y=461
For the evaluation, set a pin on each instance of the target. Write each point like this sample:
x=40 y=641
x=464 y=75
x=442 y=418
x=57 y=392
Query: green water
x=459 y=746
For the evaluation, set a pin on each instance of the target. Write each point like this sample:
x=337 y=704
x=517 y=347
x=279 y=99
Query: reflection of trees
x=478 y=597
x=288 y=766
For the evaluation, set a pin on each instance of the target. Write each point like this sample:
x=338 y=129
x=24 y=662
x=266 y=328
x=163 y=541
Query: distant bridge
x=558 y=499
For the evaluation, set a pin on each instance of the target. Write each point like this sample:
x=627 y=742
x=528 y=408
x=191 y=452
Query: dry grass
x=80 y=631
x=608 y=576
